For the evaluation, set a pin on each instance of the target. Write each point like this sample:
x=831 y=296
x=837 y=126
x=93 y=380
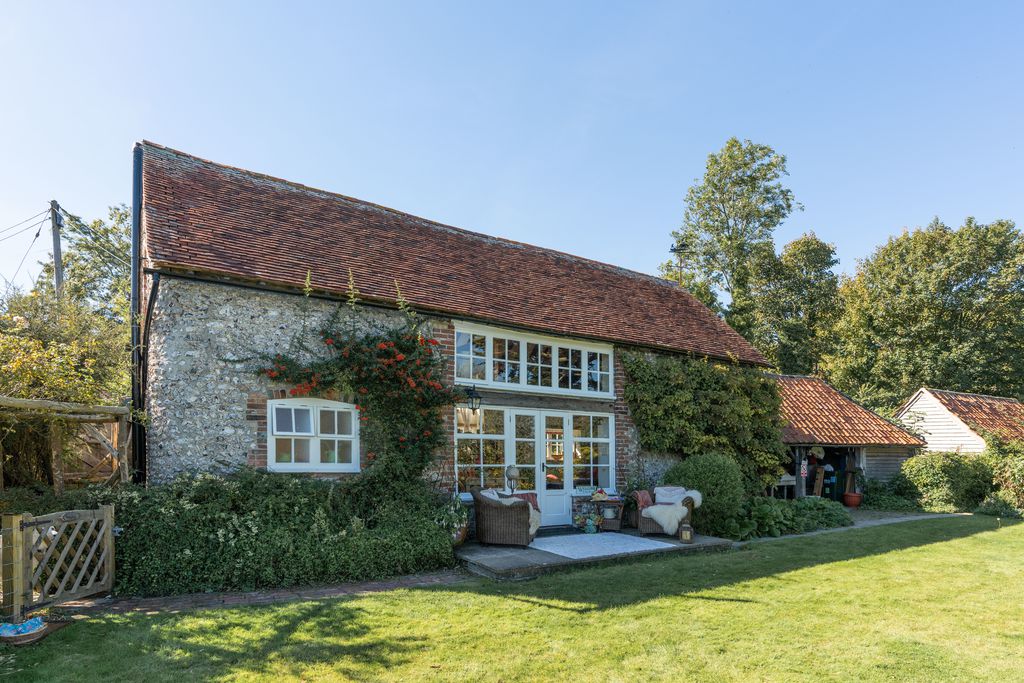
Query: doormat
x=585 y=546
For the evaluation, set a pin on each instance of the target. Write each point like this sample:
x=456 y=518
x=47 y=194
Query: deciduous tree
x=934 y=307
x=731 y=215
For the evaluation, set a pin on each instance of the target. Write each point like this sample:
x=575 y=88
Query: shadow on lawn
x=277 y=640
x=637 y=581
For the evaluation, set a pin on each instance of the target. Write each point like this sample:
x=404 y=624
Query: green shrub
x=998 y=504
x=947 y=482
x=257 y=530
x=882 y=495
x=774 y=517
x=1007 y=461
x=819 y=513
x=720 y=483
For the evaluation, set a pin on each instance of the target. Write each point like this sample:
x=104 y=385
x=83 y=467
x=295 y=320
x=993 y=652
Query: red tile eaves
x=815 y=413
x=997 y=415
x=213 y=219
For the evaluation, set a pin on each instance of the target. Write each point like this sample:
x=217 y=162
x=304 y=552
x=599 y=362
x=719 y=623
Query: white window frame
x=556 y=343
x=315 y=405
x=509 y=439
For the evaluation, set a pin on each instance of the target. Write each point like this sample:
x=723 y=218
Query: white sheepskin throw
x=534 y=515
x=674 y=494
x=668 y=517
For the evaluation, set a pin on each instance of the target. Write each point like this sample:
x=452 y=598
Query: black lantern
x=473 y=398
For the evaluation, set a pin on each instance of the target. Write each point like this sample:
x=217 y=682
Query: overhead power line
x=15 y=234
x=12 y=227
x=10 y=283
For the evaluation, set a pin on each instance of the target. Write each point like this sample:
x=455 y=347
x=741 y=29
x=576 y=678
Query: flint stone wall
x=198 y=383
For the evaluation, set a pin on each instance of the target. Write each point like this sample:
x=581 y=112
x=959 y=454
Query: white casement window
x=524 y=362
x=312 y=435
x=592 y=451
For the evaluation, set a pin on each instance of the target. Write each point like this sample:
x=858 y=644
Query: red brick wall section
x=626 y=447
x=443 y=469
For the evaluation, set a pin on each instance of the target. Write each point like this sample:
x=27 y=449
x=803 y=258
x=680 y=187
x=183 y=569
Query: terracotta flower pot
x=852 y=500
x=459 y=535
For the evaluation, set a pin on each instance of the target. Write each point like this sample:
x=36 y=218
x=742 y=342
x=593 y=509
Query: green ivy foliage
x=687 y=406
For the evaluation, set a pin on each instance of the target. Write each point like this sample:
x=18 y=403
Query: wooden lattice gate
x=55 y=558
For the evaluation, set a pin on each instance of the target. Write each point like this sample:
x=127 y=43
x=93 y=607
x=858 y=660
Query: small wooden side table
x=615 y=523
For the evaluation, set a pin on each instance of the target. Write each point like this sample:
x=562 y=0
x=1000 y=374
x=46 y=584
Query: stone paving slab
x=509 y=563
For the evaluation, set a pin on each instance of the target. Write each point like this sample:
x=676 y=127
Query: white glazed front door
x=554 y=486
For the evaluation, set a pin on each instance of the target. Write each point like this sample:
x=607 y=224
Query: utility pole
x=56 y=221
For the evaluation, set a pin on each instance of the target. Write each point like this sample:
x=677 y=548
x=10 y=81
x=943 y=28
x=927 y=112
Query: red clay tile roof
x=211 y=219
x=1003 y=417
x=816 y=413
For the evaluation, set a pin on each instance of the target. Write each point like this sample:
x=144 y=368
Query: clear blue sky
x=572 y=125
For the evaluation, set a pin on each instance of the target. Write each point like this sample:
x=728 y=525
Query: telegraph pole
x=56 y=221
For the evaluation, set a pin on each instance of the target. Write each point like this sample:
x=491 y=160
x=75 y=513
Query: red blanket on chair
x=530 y=498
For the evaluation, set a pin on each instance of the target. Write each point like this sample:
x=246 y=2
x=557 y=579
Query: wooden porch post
x=56 y=459
x=800 y=490
x=12 y=568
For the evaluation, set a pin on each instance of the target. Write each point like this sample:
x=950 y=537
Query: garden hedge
x=255 y=530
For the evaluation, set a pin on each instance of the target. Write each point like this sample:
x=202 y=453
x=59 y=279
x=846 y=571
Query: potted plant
x=590 y=523
x=852 y=499
x=454 y=517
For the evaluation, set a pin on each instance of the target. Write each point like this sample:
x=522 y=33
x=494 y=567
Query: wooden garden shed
x=827 y=429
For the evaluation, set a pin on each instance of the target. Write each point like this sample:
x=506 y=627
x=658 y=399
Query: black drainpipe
x=138 y=398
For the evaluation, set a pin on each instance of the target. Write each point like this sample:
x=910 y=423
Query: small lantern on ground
x=686 y=533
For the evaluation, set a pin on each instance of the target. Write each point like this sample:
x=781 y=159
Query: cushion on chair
x=530 y=498
x=643 y=499
x=675 y=494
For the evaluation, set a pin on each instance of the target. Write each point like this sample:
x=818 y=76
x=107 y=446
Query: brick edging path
x=173 y=604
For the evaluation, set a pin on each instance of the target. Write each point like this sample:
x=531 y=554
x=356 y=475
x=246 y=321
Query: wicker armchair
x=501 y=524
x=646 y=525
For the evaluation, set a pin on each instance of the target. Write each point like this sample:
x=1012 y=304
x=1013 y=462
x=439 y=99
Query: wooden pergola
x=88 y=417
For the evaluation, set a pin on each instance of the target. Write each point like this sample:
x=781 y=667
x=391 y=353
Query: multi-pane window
x=312 y=435
x=507 y=361
x=554 y=451
x=538 y=364
x=592 y=451
x=598 y=372
x=480 y=448
x=570 y=368
x=471 y=356
x=505 y=353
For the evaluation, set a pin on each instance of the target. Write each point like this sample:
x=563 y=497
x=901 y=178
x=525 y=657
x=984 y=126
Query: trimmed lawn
x=934 y=600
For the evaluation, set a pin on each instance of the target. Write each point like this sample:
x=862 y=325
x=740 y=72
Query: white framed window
x=526 y=362
x=312 y=435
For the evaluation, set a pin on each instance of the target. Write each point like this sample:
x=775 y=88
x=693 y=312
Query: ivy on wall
x=685 y=406
x=393 y=373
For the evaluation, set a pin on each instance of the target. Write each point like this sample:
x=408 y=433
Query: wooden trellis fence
x=55 y=558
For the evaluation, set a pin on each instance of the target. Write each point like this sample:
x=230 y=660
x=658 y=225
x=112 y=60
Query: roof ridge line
x=425 y=221
x=971 y=393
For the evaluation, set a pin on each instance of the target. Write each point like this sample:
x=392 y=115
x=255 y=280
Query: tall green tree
x=730 y=218
x=796 y=296
x=936 y=307
x=96 y=261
